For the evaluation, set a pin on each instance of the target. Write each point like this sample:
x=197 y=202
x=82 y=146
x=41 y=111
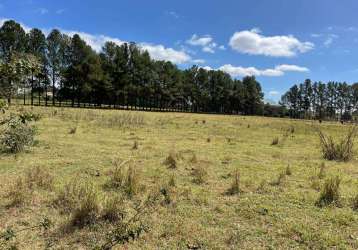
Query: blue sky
x=282 y=42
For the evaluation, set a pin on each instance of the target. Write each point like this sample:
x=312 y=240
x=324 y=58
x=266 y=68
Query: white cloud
x=60 y=11
x=253 y=43
x=274 y=93
x=208 y=68
x=42 y=11
x=172 y=14
x=199 y=61
x=159 y=52
x=195 y=40
x=222 y=47
x=206 y=42
x=279 y=70
x=327 y=43
x=286 y=67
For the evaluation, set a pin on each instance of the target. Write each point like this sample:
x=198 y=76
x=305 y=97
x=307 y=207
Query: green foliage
x=338 y=151
x=16 y=135
x=330 y=193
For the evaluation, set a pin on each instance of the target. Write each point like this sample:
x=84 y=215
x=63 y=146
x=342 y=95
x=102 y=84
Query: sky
x=281 y=42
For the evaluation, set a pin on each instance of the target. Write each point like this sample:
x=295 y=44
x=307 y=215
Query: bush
x=330 y=193
x=338 y=151
x=16 y=135
x=3 y=106
x=288 y=170
x=28 y=116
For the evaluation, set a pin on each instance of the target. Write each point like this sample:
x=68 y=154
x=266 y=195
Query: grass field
x=274 y=207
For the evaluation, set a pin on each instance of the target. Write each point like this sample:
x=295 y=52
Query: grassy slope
x=201 y=214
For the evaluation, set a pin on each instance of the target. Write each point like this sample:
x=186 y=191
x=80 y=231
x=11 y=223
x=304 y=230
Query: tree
x=54 y=41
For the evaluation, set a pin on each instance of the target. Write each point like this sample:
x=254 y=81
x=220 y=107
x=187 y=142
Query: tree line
x=332 y=100
x=58 y=68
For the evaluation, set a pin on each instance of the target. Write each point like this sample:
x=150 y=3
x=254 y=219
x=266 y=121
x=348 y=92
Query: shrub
x=3 y=106
x=200 y=175
x=39 y=177
x=338 y=151
x=16 y=135
x=235 y=185
x=330 y=193
x=28 y=116
x=113 y=209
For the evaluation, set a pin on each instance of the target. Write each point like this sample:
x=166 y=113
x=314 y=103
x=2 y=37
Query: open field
x=274 y=208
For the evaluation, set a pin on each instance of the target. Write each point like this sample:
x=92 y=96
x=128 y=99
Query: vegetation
x=341 y=151
x=82 y=183
x=63 y=70
x=322 y=101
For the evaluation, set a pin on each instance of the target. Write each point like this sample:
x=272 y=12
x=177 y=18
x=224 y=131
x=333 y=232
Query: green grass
x=198 y=214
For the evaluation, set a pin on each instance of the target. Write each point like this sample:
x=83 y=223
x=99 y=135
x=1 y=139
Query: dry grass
x=338 y=151
x=256 y=216
x=330 y=194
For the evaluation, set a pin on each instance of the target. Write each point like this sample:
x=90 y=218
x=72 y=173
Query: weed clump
x=279 y=180
x=39 y=177
x=171 y=161
x=275 y=141
x=73 y=130
x=355 y=203
x=322 y=171
x=81 y=200
x=113 y=209
x=330 y=193
x=18 y=193
x=199 y=175
x=338 y=151
x=235 y=185
x=288 y=170
x=127 y=179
